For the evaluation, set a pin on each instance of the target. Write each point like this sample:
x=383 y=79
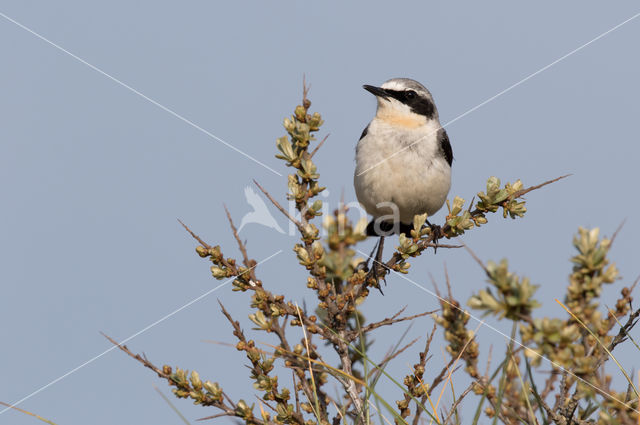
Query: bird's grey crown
x=407 y=84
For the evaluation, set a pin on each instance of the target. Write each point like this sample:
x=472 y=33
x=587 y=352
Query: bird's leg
x=378 y=259
x=435 y=231
x=378 y=265
x=366 y=266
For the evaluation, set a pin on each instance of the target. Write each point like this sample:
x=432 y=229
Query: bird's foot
x=436 y=231
x=377 y=278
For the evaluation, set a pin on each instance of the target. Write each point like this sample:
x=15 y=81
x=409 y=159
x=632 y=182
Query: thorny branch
x=430 y=240
x=230 y=409
x=340 y=284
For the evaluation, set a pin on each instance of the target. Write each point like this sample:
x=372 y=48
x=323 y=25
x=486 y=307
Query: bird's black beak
x=376 y=91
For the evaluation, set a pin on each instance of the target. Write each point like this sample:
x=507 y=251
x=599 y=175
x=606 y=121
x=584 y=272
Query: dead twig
x=392 y=320
x=458 y=401
x=615 y=234
x=279 y=207
x=475 y=257
x=520 y=193
x=378 y=368
x=319 y=145
x=138 y=357
x=249 y=263
x=196 y=237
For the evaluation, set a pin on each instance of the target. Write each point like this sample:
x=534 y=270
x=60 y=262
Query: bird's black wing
x=364 y=132
x=445 y=145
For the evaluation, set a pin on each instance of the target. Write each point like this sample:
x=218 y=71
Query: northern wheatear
x=403 y=158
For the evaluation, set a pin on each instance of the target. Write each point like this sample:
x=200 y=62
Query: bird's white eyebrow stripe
x=492 y=98
x=131 y=89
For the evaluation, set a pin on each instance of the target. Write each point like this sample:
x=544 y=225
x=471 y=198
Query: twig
x=318 y=147
x=138 y=357
x=564 y=391
x=440 y=245
x=27 y=413
x=560 y=420
x=378 y=369
x=486 y=371
x=621 y=336
x=250 y=264
x=196 y=237
x=174 y=408
x=237 y=330
x=392 y=320
x=219 y=415
x=519 y=193
x=295 y=391
x=423 y=362
x=448 y=281
x=475 y=257
x=615 y=234
x=320 y=414
x=305 y=89
x=265 y=403
x=548 y=386
x=282 y=210
x=455 y=405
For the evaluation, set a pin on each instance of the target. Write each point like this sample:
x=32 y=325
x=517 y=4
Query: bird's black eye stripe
x=404 y=96
x=418 y=104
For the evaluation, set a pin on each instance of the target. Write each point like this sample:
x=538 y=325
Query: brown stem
x=196 y=237
x=243 y=249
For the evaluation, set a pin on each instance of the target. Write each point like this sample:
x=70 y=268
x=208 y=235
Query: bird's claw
x=436 y=232
x=373 y=272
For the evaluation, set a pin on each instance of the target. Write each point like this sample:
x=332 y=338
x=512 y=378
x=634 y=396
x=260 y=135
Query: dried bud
x=202 y=251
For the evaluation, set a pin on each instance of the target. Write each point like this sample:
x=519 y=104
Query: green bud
x=419 y=220
x=196 y=383
x=286 y=148
x=218 y=273
x=458 y=203
x=202 y=251
x=300 y=113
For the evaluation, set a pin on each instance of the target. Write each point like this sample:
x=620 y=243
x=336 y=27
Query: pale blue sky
x=94 y=176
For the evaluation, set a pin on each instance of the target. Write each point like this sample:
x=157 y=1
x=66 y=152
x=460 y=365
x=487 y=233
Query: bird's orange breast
x=401 y=120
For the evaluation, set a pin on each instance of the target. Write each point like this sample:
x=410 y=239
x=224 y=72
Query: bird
x=260 y=213
x=403 y=159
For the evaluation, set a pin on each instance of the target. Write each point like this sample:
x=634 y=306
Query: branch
x=560 y=420
x=429 y=241
x=318 y=147
x=458 y=401
x=423 y=362
x=196 y=237
x=250 y=264
x=282 y=210
x=519 y=193
x=379 y=368
x=392 y=320
x=138 y=357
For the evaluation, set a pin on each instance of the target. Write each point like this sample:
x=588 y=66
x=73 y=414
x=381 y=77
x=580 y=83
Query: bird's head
x=403 y=102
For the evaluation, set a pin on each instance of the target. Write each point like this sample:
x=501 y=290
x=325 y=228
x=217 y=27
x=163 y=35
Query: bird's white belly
x=416 y=180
